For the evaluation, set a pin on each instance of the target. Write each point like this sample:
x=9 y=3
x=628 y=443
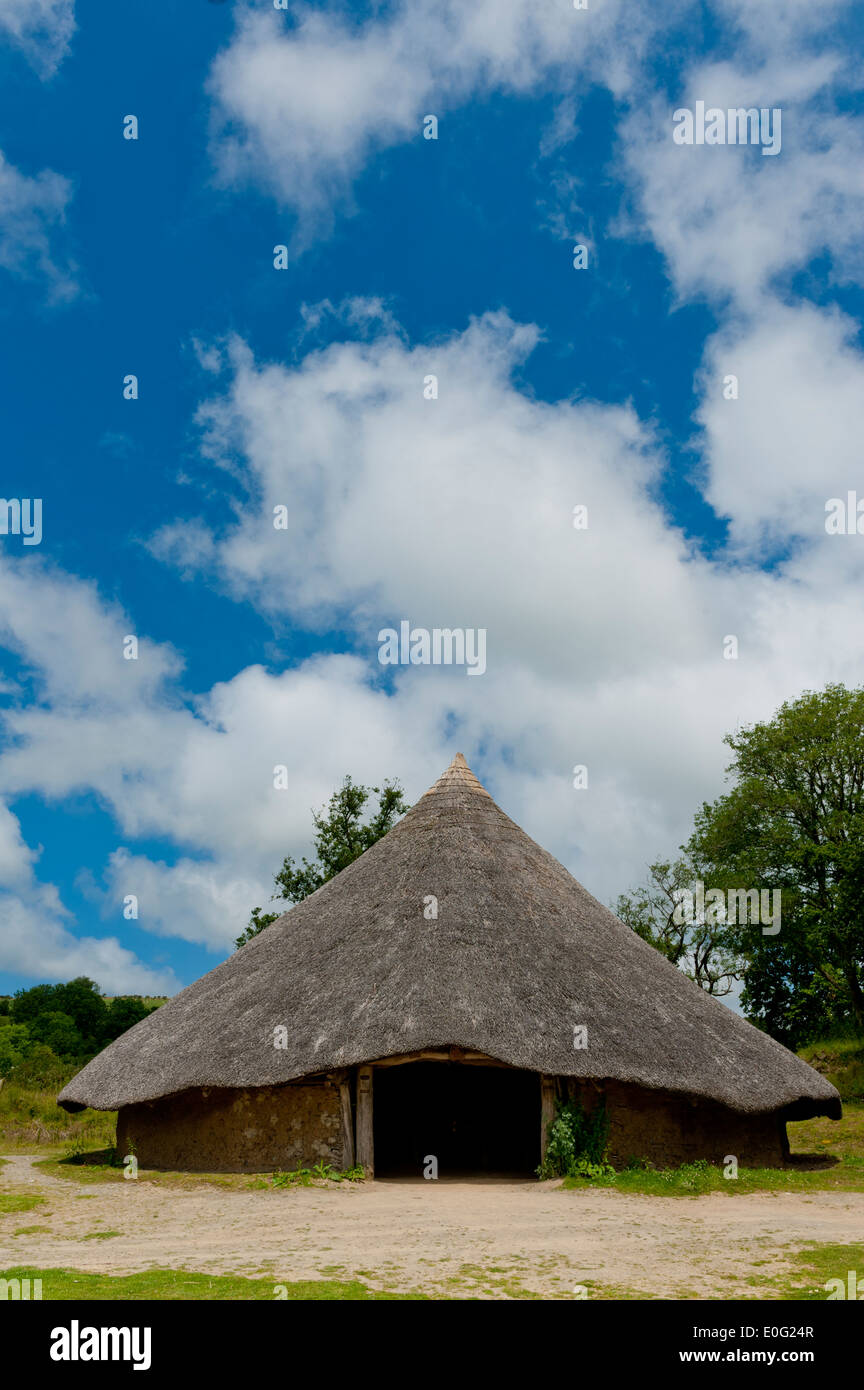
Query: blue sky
x=304 y=385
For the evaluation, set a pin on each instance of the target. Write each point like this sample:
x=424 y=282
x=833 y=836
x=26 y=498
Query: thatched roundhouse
x=431 y=1000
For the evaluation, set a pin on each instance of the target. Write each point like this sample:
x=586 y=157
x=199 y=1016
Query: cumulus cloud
x=301 y=106
x=32 y=218
x=193 y=899
x=604 y=646
x=791 y=439
x=36 y=936
x=730 y=221
x=396 y=503
x=196 y=771
x=42 y=29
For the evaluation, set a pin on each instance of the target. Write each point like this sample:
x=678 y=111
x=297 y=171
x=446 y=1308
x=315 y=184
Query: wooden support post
x=547 y=1111
x=343 y=1081
x=365 y=1148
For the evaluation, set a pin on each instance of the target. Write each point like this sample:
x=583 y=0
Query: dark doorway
x=473 y=1119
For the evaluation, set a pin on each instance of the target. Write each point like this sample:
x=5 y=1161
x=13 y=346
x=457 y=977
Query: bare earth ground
x=487 y=1239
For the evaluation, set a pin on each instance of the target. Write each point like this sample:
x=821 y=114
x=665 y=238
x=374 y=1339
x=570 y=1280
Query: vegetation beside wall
x=577 y=1142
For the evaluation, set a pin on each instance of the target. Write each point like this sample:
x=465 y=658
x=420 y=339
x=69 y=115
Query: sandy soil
x=492 y=1239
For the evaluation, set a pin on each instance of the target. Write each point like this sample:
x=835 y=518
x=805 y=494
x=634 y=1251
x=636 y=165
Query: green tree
x=698 y=947
x=41 y=1069
x=340 y=838
x=82 y=1001
x=794 y=821
x=13 y=1045
x=59 y=1032
x=79 y=999
x=27 y=1004
x=122 y=1013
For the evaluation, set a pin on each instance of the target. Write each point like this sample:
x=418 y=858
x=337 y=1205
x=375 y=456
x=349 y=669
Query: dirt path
x=467 y=1239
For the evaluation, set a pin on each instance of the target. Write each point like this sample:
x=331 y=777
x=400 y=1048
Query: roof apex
x=457 y=775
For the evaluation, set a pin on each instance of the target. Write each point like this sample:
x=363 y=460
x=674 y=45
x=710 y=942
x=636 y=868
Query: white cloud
x=32 y=217
x=16 y=858
x=195 y=900
x=605 y=646
x=392 y=498
x=43 y=29
x=792 y=439
x=302 y=107
x=36 y=940
x=728 y=219
x=36 y=945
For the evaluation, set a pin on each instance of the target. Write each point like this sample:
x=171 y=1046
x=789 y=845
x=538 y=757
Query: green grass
x=18 y=1201
x=308 y=1177
x=841 y=1061
x=100 y=1166
x=828 y=1157
x=31 y=1120
x=817 y=1264
x=181 y=1284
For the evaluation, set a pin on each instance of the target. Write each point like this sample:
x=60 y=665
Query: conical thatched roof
x=519 y=953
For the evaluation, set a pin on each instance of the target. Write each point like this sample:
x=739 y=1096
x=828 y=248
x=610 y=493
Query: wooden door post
x=547 y=1111
x=365 y=1147
x=343 y=1081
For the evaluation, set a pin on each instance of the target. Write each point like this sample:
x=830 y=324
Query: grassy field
x=812 y=1268
x=31 y=1121
x=181 y=1284
x=841 y=1063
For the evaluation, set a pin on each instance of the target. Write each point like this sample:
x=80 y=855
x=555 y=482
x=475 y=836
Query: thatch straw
x=518 y=954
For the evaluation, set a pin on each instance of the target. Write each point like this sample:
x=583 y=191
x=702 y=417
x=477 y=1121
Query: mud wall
x=668 y=1130
x=298 y=1125
x=216 y=1130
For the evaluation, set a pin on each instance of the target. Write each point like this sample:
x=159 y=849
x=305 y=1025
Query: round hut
x=433 y=1000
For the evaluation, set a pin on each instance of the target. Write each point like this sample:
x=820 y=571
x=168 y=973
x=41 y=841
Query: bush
x=58 y=1032
x=123 y=1012
x=13 y=1040
x=79 y=1000
x=577 y=1142
x=40 y=1068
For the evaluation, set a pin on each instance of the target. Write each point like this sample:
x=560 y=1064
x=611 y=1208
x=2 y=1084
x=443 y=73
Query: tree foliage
x=699 y=947
x=72 y=1021
x=793 y=821
x=341 y=836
